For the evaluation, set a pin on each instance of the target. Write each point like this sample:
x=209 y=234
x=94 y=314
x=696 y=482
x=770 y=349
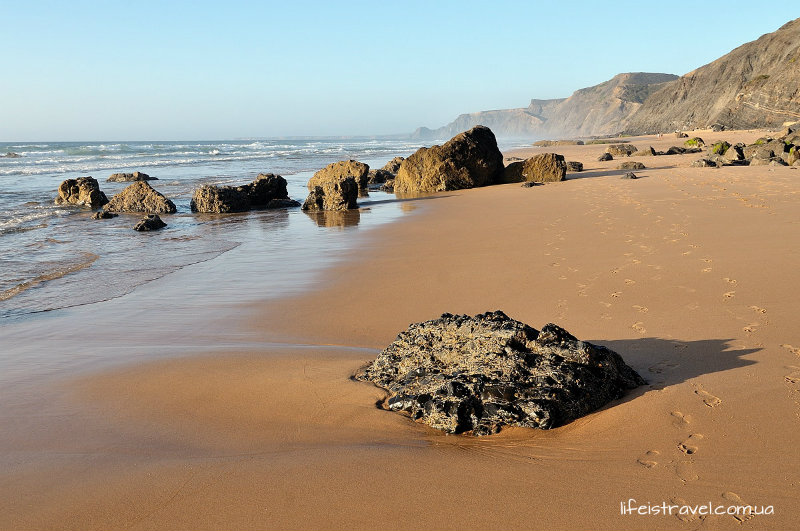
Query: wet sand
x=688 y=273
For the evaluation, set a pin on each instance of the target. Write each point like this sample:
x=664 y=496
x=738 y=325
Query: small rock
x=679 y=134
x=573 y=166
x=647 y=152
x=694 y=142
x=102 y=214
x=605 y=156
x=531 y=184
x=631 y=165
x=151 y=222
x=10 y=155
x=629 y=175
x=83 y=191
x=621 y=150
x=130 y=177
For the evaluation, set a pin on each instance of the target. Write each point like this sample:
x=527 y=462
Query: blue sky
x=211 y=70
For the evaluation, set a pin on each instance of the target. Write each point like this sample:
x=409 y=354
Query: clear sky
x=141 y=70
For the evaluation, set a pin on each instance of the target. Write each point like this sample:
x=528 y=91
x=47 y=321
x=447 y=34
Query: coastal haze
x=204 y=375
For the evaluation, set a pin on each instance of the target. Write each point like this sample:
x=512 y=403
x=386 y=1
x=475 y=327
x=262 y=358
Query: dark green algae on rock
x=463 y=374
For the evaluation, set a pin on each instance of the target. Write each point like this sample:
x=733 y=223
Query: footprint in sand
x=794 y=376
x=616 y=294
x=685 y=471
x=662 y=366
x=642 y=309
x=706 y=270
x=706 y=260
x=730 y=280
x=648 y=460
x=729 y=295
x=751 y=328
x=793 y=350
x=688 y=517
x=758 y=309
x=708 y=399
x=735 y=499
x=679 y=420
x=630 y=282
x=639 y=327
x=689 y=446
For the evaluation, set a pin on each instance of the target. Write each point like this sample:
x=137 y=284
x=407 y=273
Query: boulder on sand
x=130 y=177
x=541 y=168
x=605 y=157
x=266 y=191
x=621 y=150
x=468 y=160
x=140 y=197
x=573 y=166
x=631 y=165
x=463 y=374
x=83 y=191
x=336 y=171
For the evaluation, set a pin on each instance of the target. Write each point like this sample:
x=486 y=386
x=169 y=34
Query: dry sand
x=689 y=273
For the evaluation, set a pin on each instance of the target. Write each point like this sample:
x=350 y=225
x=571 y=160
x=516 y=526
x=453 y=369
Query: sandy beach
x=689 y=273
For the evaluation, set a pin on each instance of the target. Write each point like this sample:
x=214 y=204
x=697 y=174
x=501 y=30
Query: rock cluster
x=140 y=197
x=463 y=374
x=266 y=191
x=83 y=191
x=541 y=168
x=130 y=177
x=469 y=159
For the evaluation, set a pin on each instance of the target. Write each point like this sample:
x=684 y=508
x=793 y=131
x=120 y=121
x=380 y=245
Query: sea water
x=54 y=257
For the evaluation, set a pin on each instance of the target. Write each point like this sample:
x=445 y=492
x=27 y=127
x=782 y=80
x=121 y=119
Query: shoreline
x=667 y=270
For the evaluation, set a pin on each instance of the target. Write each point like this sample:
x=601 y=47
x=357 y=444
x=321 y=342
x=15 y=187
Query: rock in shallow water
x=148 y=223
x=476 y=374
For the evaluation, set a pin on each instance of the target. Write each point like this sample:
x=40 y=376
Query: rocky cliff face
x=755 y=85
x=601 y=109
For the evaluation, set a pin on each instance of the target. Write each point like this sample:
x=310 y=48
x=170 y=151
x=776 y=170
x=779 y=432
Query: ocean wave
x=60 y=270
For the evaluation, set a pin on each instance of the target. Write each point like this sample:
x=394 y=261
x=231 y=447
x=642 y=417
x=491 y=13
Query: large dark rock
x=148 y=223
x=140 y=197
x=337 y=171
x=574 y=166
x=631 y=165
x=541 y=168
x=130 y=177
x=83 y=191
x=468 y=160
x=477 y=374
x=266 y=191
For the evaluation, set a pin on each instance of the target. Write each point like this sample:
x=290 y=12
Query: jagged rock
x=679 y=134
x=102 y=214
x=758 y=151
x=631 y=165
x=694 y=142
x=541 y=168
x=140 y=197
x=83 y=191
x=388 y=186
x=150 y=222
x=573 y=166
x=621 y=150
x=793 y=155
x=647 y=152
x=630 y=175
x=130 y=177
x=705 y=162
x=337 y=171
x=393 y=165
x=266 y=191
x=605 y=156
x=772 y=161
x=735 y=153
x=333 y=195
x=10 y=155
x=463 y=374
x=377 y=177
x=467 y=160
x=720 y=148
x=717 y=128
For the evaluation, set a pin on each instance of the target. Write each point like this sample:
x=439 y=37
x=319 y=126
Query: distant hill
x=598 y=110
x=757 y=85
